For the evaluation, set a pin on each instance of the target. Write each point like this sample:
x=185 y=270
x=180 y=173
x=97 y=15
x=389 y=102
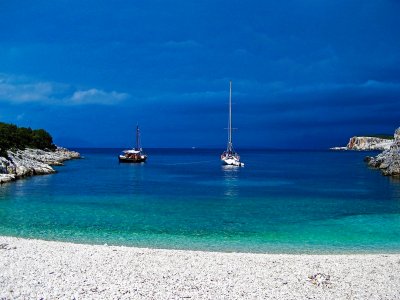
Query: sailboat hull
x=231 y=162
x=123 y=159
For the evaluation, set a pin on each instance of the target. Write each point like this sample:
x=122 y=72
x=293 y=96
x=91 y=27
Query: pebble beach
x=36 y=269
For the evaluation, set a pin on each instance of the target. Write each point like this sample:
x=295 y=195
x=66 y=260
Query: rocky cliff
x=366 y=143
x=389 y=160
x=28 y=162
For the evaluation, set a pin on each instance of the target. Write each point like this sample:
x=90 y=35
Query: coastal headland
x=367 y=143
x=27 y=152
x=389 y=160
x=35 y=269
x=29 y=162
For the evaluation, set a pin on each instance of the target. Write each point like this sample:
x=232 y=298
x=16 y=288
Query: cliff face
x=368 y=143
x=389 y=160
x=28 y=162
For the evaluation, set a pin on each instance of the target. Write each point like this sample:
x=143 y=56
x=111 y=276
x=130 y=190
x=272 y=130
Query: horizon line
x=201 y=148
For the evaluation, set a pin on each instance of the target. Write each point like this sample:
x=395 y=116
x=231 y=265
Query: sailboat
x=135 y=155
x=229 y=156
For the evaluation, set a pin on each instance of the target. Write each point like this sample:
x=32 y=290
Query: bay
x=280 y=202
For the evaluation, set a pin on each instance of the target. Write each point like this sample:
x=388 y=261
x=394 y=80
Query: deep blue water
x=281 y=201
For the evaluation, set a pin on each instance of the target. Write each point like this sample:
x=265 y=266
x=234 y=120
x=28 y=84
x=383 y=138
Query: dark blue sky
x=306 y=74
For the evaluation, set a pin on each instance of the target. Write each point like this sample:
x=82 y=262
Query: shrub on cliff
x=13 y=137
x=41 y=139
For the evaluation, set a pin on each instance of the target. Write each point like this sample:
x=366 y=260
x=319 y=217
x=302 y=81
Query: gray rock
x=389 y=160
x=366 y=143
x=29 y=162
x=6 y=178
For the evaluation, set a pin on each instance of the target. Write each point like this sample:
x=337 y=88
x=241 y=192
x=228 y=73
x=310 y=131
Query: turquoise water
x=280 y=202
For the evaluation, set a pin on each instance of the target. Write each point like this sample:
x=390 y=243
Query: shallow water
x=280 y=202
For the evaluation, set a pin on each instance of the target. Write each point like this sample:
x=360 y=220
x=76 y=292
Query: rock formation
x=366 y=143
x=28 y=162
x=369 y=143
x=389 y=160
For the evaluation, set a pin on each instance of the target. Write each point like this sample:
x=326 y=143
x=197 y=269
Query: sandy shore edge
x=35 y=269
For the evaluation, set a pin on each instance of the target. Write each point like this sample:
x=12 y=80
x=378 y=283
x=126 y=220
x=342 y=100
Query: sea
x=281 y=201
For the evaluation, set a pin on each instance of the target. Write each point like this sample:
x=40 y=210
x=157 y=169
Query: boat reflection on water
x=231 y=180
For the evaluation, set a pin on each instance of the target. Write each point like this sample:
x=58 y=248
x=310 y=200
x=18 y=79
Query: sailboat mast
x=230 y=118
x=137 y=137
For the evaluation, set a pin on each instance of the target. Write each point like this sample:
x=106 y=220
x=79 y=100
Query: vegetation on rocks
x=14 y=137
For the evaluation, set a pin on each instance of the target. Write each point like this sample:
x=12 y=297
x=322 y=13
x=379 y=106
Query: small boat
x=135 y=155
x=229 y=157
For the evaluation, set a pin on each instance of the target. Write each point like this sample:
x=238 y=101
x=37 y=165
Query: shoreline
x=30 y=162
x=49 y=269
x=289 y=249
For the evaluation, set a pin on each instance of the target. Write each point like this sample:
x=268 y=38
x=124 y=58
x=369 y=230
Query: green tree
x=24 y=137
x=12 y=137
x=41 y=139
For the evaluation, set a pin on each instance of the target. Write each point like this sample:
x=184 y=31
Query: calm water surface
x=281 y=202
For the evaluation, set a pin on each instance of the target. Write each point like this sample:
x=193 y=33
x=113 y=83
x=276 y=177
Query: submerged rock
x=28 y=162
x=389 y=160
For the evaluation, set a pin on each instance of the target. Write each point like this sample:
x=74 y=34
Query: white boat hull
x=232 y=162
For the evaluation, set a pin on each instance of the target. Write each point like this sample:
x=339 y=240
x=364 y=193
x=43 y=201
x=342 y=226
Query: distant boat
x=229 y=156
x=135 y=155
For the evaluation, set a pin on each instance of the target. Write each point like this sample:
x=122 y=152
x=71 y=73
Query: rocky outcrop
x=365 y=143
x=389 y=160
x=29 y=162
x=368 y=143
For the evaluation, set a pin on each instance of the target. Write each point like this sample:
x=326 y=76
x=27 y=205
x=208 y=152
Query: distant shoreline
x=366 y=143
